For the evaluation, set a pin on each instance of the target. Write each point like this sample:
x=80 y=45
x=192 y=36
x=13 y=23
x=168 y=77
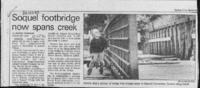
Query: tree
x=94 y=21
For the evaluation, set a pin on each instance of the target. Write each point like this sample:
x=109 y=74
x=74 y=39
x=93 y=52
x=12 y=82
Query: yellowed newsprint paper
x=99 y=43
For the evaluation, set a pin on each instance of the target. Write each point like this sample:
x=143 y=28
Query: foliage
x=94 y=21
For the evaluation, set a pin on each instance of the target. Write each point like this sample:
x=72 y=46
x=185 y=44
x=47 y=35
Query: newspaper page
x=99 y=43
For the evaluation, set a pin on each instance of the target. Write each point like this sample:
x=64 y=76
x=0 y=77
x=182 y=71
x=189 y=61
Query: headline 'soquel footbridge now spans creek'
x=46 y=18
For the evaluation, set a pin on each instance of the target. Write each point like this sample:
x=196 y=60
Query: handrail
x=122 y=38
x=115 y=63
x=125 y=50
x=121 y=59
x=118 y=29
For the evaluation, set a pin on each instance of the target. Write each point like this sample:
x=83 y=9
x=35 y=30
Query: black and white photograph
x=139 y=46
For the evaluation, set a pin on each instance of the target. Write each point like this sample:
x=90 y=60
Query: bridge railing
x=173 y=39
x=118 y=54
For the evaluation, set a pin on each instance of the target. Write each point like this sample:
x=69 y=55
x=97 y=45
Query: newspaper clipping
x=95 y=43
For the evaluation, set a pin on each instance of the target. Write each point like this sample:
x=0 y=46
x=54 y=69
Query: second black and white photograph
x=139 y=47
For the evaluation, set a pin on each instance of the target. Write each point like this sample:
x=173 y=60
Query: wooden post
x=188 y=40
x=133 y=47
